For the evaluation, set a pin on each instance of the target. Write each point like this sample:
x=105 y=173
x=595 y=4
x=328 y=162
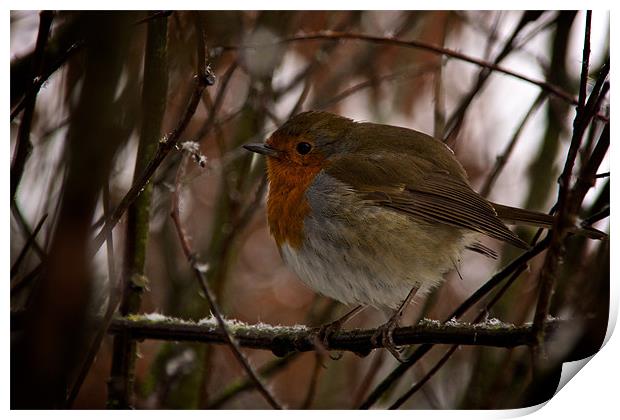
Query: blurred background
x=119 y=81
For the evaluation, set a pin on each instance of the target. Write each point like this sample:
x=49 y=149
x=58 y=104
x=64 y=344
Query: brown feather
x=516 y=216
x=435 y=197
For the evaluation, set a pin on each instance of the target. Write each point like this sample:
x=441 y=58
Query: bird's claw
x=322 y=336
x=384 y=337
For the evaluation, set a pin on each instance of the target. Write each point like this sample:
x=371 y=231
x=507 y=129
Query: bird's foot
x=323 y=335
x=384 y=337
x=325 y=332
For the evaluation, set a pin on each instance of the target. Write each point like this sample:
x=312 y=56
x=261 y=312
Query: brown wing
x=436 y=197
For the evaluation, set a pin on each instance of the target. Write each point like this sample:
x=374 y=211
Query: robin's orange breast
x=287 y=205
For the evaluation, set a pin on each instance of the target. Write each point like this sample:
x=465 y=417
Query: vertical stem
x=585 y=63
x=120 y=386
x=566 y=210
x=542 y=171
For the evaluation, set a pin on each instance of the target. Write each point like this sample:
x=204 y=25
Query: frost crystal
x=493 y=322
x=194 y=149
x=155 y=317
x=452 y=323
x=191 y=146
x=202 y=267
x=202 y=160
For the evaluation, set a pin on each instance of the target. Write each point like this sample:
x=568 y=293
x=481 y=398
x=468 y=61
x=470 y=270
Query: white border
x=593 y=394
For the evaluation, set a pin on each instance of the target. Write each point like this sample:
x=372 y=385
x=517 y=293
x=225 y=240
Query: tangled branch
x=337 y=36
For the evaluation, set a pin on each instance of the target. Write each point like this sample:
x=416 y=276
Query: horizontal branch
x=282 y=340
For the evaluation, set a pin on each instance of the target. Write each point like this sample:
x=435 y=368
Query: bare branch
x=454 y=122
x=23 y=146
x=202 y=79
x=221 y=324
x=133 y=279
x=481 y=315
x=30 y=241
x=414 y=72
x=282 y=340
x=568 y=201
x=335 y=36
x=600 y=215
x=372 y=372
x=272 y=367
x=587 y=176
x=585 y=62
x=502 y=159
x=217 y=103
x=314 y=381
x=418 y=385
x=246 y=384
x=517 y=264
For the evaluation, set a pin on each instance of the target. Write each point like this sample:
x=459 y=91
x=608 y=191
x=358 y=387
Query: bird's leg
x=383 y=336
x=327 y=330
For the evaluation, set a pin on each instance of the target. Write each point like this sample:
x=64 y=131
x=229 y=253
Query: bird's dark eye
x=303 y=148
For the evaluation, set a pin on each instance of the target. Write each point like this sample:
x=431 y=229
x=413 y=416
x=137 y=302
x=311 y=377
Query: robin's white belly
x=358 y=253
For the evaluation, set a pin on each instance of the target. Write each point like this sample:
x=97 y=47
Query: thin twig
x=568 y=201
x=272 y=116
x=476 y=25
x=30 y=241
x=599 y=215
x=411 y=73
x=202 y=79
x=23 y=224
x=587 y=176
x=481 y=315
x=335 y=36
x=399 y=371
x=40 y=80
x=318 y=59
x=418 y=385
x=246 y=384
x=23 y=145
x=492 y=36
x=155 y=15
x=585 y=63
x=219 y=100
x=222 y=327
x=270 y=368
x=502 y=158
x=300 y=101
x=246 y=215
x=586 y=148
x=18 y=284
x=369 y=377
x=455 y=121
x=314 y=381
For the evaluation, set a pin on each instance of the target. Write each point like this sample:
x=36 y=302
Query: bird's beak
x=261 y=148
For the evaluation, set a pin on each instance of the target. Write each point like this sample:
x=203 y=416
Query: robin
x=374 y=215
